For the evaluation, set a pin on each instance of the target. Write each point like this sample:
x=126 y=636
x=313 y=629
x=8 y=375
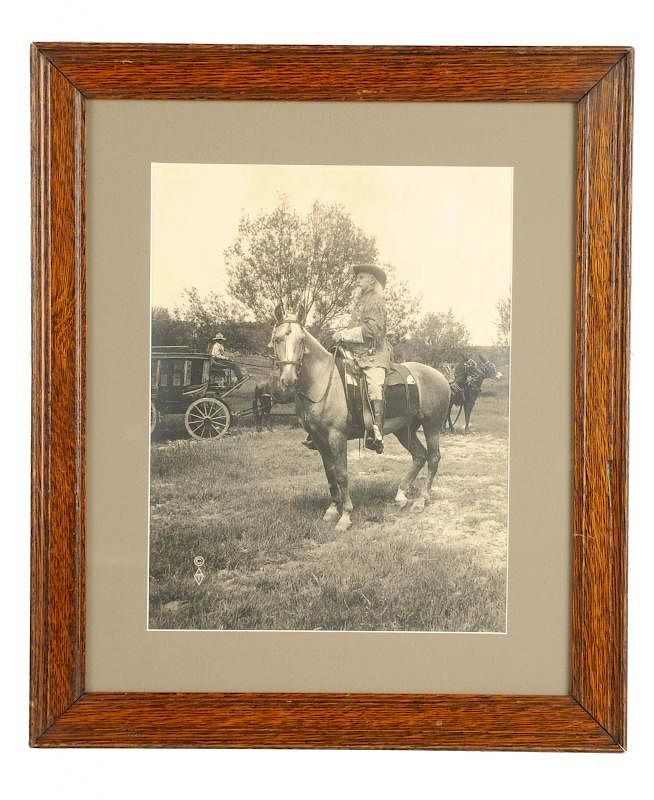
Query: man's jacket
x=366 y=334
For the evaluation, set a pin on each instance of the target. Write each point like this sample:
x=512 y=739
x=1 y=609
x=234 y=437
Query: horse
x=466 y=387
x=310 y=369
x=267 y=393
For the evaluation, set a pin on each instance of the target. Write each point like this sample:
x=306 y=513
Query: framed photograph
x=330 y=381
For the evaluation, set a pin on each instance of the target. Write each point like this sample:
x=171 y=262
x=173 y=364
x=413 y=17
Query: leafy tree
x=280 y=257
x=503 y=321
x=208 y=314
x=246 y=337
x=332 y=244
x=438 y=338
x=169 y=329
x=402 y=307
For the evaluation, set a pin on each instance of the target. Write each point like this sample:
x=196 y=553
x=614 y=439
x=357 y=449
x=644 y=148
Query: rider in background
x=462 y=378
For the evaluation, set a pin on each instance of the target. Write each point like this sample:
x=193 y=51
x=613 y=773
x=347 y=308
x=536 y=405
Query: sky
x=448 y=231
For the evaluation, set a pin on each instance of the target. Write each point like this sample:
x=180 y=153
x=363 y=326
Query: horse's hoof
x=331 y=514
x=344 y=523
x=401 y=500
x=418 y=505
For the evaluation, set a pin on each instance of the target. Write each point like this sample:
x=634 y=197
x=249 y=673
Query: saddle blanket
x=401 y=397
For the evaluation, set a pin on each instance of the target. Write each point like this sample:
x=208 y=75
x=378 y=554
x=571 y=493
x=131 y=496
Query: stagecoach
x=193 y=384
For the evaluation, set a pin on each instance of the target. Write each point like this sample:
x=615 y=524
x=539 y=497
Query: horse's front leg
x=467 y=410
x=257 y=414
x=338 y=449
x=332 y=512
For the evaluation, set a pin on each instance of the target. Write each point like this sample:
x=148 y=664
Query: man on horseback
x=466 y=387
x=365 y=338
x=306 y=366
x=462 y=373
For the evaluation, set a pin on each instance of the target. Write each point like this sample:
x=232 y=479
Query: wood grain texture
x=601 y=399
x=593 y=716
x=238 y=72
x=58 y=395
x=468 y=722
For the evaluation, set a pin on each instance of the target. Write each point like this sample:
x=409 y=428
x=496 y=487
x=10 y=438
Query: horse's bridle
x=475 y=374
x=297 y=362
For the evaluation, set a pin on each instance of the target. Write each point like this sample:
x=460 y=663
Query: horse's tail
x=434 y=392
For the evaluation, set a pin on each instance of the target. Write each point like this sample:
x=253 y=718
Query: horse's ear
x=279 y=312
x=301 y=314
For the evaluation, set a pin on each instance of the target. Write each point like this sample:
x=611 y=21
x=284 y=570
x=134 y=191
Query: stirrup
x=309 y=443
x=374 y=440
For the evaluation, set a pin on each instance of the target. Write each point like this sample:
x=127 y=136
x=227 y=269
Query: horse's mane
x=312 y=339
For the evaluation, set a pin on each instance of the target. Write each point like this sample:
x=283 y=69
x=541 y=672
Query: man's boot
x=378 y=425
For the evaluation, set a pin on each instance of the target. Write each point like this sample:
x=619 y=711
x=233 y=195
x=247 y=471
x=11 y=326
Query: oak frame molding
x=593 y=716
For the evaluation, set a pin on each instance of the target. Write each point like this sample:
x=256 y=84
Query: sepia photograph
x=329 y=397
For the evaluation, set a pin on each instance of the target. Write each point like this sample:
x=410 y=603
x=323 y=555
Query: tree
x=203 y=316
x=169 y=329
x=332 y=244
x=206 y=315
x=503 y=322
x=246 y=337
x=282 y=258
x=439 y=338
x=402 y=307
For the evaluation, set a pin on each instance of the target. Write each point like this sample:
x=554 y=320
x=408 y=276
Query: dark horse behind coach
x=268 y=393
x=305 y=365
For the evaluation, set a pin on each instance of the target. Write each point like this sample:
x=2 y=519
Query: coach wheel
x=207 y=418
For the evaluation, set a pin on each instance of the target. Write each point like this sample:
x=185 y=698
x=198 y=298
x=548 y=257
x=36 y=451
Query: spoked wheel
x=154 y=417
x=207 y=418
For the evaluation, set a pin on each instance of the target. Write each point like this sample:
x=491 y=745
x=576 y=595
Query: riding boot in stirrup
x=378 y=426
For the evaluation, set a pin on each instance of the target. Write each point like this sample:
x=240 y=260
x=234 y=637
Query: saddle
x=401 y=396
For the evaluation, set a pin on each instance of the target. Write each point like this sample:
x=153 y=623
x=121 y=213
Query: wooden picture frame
x=593 y=716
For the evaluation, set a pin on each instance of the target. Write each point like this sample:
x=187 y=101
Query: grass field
x=251 y=506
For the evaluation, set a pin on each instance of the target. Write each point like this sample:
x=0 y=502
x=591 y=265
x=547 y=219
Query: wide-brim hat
x=218 y=338
x=371 y=269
